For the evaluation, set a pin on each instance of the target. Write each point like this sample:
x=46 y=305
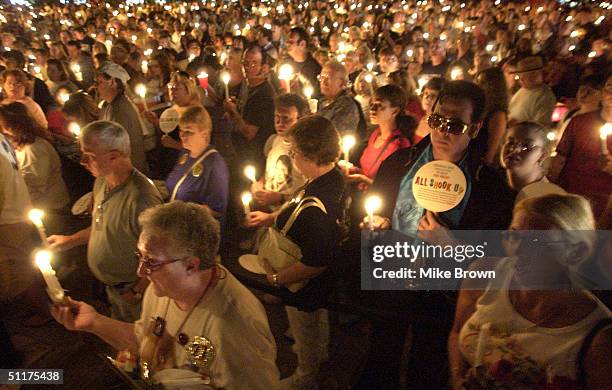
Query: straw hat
x=529 y=64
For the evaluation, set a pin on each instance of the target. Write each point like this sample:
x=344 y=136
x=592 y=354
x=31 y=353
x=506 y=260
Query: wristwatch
x=137 y=295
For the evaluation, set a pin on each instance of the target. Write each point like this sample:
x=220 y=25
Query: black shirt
x=256 y=106
x=309 y=69
x=429 y=68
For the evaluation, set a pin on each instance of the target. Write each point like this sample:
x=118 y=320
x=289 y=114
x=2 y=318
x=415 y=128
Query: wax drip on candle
x=246 y=201
x=54 y=288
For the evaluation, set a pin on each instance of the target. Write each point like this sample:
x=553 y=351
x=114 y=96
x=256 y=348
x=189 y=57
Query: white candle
x=144 y=66
x=285 y=73
x=76 y=68
x=455 y=73
x=312 y=103
x=246 y=201
x=250 y=173
x=141 y=90
x=225 y=76
x=483 y=337
x=348 y=141
x=372 y=204
x=36 y=216
x=54 y=288
x=604 y=131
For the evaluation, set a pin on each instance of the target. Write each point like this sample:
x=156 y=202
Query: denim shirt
x=408 y=212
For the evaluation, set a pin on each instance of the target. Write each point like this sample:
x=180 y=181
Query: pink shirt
x=372 y=157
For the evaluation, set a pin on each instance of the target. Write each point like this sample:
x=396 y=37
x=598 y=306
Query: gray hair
x=338 y=69
x=192 y=230
x=109 y=135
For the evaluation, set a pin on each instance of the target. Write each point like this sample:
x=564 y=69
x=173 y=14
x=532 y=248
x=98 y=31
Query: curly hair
x=192 y=230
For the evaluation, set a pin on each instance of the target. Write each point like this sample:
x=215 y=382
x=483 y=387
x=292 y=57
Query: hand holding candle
x=372 y=205
x=141 y=90
x=54 y=288
x=604 y=132
x=246 y=201
x=250 y=173
x=225 y=77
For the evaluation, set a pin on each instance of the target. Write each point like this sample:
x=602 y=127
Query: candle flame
x=372 y=204
x=250 y=173
x=43 y=260
x=36 y=216
x=141 y=90
x=348 y=141
x=285 y=72
x=246 y=198
x=308 y=91
x=75 y=129
x=605 y=131
x=225 y=76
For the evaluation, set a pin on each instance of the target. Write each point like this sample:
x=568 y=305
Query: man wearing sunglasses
x=455 y=122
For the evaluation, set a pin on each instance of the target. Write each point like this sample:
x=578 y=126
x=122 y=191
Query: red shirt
x=372 y=157
x=581 y=147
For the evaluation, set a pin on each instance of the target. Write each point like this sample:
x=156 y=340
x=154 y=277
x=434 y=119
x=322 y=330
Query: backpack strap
x=581 y=375
x=309 y=201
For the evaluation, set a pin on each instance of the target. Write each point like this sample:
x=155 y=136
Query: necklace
x=180 y=337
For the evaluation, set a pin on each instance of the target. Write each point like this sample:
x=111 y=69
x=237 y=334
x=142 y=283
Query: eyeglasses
x=148 y=264
x=447 y=125
x=522 y=146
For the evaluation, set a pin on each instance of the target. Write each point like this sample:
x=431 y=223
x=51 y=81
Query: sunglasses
x=447 y=125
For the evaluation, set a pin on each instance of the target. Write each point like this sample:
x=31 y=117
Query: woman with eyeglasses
x=523 y=156
x=429 y=95
x=535 y=325
x=394 y=132
x=315 y=150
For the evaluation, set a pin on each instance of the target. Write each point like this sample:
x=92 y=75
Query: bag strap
x=309 y=201
x=581 y=375
x=187 y=172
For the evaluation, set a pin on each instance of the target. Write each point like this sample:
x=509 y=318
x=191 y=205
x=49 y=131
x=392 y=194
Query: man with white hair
x=111 y=84
x=198 y=322
x=120 y=194
x=337 y=104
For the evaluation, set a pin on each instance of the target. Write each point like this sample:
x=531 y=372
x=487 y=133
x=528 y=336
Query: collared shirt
x=115 y=229
x=408 y=212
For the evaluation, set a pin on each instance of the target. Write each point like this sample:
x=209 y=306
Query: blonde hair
x=187 y=81
x=198 y=116
x=570 y=213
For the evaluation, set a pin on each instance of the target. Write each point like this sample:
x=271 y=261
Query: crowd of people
x=191 y=131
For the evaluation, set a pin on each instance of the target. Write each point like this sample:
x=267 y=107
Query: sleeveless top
x=519 y=354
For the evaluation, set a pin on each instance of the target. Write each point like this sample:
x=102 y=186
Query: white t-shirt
x=14 y=197
x=281 y=174
x=41 y=168
x=519 y=354
x=535 y=105
x=234 y=321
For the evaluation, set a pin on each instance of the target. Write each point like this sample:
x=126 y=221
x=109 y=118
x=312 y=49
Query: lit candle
x=144 y=66
x=75 y=129
x=368 y=79
x=225 y=76
x=604 y=132
x=372 y=204
x=370 y=66
x=54 y=288
x=312 y=103
x=203 y=79
x=141 y=90
x=455 y=73
x=483 y=337
x=36 y=216
x=63 y=97
x=76 y=68
x=246 y=201
x=250 y=173
x=348 y=141
x=422 y=81
x=285 y=72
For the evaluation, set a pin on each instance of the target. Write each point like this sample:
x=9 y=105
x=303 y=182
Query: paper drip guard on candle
x=168 y=120
x=439 y=186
